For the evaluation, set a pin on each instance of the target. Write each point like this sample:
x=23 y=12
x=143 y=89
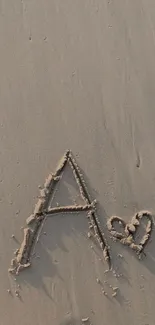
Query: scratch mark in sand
x=22 y=259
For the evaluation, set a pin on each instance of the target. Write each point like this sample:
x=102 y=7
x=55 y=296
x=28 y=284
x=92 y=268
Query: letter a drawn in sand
x=43 y=210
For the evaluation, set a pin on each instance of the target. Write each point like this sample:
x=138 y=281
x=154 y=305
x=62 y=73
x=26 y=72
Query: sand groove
x=23 y=256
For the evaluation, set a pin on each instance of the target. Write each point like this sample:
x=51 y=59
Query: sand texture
x=77 y=237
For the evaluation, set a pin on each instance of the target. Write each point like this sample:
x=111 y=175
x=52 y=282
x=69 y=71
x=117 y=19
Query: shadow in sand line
x=118 y=264
x=44 y=265
x=64 y=225
x=115 y=248
x=120 y=298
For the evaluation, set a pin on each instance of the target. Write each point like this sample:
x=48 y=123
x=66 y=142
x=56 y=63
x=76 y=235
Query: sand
x=77 y=75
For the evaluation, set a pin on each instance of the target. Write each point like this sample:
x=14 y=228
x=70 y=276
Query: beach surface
x=77 y=75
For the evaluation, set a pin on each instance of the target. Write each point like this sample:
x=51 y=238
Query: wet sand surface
x=77 y=75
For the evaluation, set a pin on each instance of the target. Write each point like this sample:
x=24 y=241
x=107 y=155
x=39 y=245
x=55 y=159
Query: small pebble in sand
x=9 y=291
x=57 y=204
x=106 y=271
x=44 y=233
x=16 y=293
x=89 y=235
x=40 y=187
x=105 y=282
x=84 y=320
x=13 y=236
x=115 y=288
x=37 y=256
x=97 y=280
x=91 y=247
x=120 y=255
x=114 y=294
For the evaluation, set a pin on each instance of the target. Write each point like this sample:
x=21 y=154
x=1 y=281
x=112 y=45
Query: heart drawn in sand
x=130 y=229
